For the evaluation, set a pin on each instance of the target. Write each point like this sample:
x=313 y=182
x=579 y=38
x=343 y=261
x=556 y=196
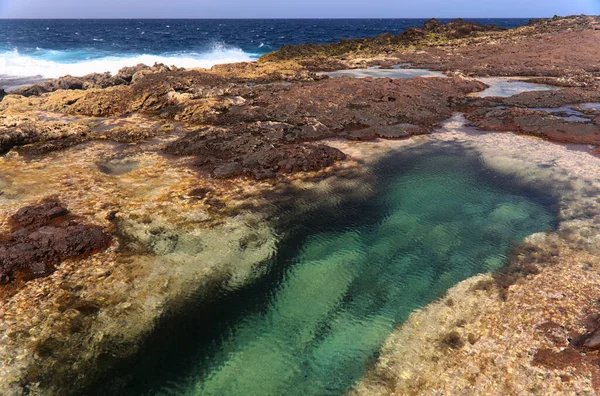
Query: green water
x=346 y=276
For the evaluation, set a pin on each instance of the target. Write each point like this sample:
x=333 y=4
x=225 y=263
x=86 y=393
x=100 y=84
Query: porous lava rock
x=537 y=123
x=41 y=237
x=257 y=151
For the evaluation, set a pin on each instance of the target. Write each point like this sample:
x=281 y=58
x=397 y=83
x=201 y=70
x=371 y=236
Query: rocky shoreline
x=117 y=194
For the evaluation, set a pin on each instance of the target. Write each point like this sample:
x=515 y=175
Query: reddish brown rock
x=41 y=237
x=271 y=124
x=563 y=47
x=256 y=151
x=349 y=104
x=537 y=123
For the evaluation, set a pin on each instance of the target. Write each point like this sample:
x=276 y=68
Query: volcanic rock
x=42 y=236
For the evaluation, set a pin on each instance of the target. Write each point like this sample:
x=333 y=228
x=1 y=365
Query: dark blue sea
x=52 y=48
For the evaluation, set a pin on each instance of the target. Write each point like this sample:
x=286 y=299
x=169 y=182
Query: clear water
x=504 y=87
x=53 y=48
x=117 y=167
x=574 y=118
x=590 y=106
x=344 y=278
x=564 y=109
x=385 y=73
x=568 y=113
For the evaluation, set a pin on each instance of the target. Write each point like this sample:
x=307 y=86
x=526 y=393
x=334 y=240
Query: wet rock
x=11 y=137
x=257 y=151
x=593 y=341
x=43 y=137
x=366 y=134
x=42 y=236
x=258 y=133
x=386 y=65
x=552 y=99
x=590 y=340
x=323 y=64
x=231 y=169
x=292 y=158
x=537 y=123
x=267 y=162
x=452 y=340
x=40 y=215
x=126 y=134
x=200 y=192
x=567 y=358
x=400 y=131
x=41 y=148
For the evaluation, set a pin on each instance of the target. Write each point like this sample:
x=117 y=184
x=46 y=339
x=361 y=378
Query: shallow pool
x=344 y=277
x=385 y=73
x=506 y=87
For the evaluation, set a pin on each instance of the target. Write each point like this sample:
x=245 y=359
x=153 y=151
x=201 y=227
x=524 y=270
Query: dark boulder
x=41 y=237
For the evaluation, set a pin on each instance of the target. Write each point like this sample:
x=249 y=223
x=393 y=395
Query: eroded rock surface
x=94 y=80
x=41 y=237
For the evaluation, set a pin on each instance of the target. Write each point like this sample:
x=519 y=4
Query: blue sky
x=293 y=8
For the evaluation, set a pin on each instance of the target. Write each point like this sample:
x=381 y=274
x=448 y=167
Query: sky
x=294 y=8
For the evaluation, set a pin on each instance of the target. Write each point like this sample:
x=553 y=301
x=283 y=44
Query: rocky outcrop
x=273 y=119
x=545 y=114
x=260 y=152
x=41 y=237
x=538 y=123
x=18 y=133
x=558 y=48
x=340 y=106
x=94 y=80
x=262 y=135
x=432 y=30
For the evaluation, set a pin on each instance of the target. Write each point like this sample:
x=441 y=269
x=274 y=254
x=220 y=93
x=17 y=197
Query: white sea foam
x=52 y=64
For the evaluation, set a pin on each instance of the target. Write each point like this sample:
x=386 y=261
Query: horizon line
x=287 y=18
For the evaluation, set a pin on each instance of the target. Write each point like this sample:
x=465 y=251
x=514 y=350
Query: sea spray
x=53 y=64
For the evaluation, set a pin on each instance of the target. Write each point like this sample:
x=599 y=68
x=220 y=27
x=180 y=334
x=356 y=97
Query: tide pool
x=345 y=276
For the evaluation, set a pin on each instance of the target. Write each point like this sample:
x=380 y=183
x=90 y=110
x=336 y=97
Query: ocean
x=38 y=49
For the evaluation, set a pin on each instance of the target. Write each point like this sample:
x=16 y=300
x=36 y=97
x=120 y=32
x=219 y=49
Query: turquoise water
x=346 y=276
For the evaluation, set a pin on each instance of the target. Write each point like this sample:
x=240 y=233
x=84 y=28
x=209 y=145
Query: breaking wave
x=52 y=64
